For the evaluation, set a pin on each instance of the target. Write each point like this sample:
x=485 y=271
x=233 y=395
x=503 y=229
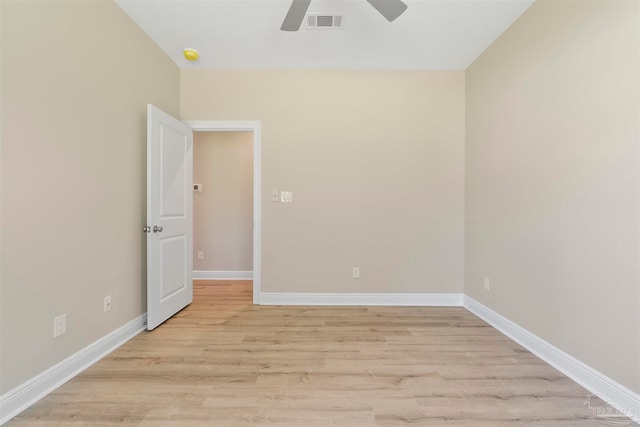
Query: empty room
x=319 y=212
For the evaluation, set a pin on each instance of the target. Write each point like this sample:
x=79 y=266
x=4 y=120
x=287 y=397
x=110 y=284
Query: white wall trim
x=256 y=128
x=20 y=398
x=222 y=275
x=274 y=298
x=618 y=396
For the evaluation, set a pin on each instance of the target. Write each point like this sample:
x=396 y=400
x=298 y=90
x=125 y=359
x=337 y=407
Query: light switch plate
x=286 y=197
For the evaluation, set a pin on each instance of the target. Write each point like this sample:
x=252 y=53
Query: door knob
x=157 y=229
x=146 y=229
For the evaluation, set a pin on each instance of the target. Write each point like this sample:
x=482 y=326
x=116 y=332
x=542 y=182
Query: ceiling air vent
x=325 y=22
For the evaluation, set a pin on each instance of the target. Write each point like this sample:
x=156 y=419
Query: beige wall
x=552 y=184
x=1 y=214
x=223 y=211
x=375 y=161
x=76 y=77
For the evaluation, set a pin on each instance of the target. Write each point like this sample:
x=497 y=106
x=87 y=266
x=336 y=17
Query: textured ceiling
x=431 y=34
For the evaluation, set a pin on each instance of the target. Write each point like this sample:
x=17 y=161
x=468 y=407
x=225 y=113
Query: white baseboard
x=272 y=298
x=615 y=394
x=222 y=275
x=20 y=398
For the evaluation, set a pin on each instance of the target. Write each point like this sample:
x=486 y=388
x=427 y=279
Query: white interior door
x=169 y=216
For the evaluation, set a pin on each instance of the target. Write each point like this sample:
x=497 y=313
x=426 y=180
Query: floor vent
x=334 y=22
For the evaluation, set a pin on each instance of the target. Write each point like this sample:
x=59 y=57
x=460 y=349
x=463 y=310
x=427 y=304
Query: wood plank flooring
x=224 y=362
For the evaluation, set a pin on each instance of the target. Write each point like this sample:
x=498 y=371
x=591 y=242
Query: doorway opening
x=226 y=234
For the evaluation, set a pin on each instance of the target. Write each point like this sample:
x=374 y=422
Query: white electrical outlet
x=59 y=325
x=275 y=196
x=200 y=255
x=356 y=272
x=107 y=303
x=487 y=284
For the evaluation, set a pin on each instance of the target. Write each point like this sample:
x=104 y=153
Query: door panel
x=173 y=264
x=173 y=151
x=169 y=216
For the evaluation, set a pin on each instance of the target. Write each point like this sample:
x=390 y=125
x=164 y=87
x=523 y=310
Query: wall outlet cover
x=59 y=325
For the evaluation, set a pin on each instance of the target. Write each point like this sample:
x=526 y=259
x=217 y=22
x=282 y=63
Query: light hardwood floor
x=224 y=362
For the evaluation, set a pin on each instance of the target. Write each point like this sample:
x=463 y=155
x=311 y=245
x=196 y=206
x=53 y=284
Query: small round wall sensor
x=191 y=54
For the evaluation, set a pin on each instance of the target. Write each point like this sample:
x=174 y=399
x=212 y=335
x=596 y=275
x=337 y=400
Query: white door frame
x=255 y=127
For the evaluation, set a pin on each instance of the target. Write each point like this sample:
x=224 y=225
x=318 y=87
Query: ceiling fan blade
x=390 y=9
x=296 y=13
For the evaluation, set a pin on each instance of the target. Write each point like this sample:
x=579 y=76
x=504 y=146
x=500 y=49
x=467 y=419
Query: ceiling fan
x=390 y=9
